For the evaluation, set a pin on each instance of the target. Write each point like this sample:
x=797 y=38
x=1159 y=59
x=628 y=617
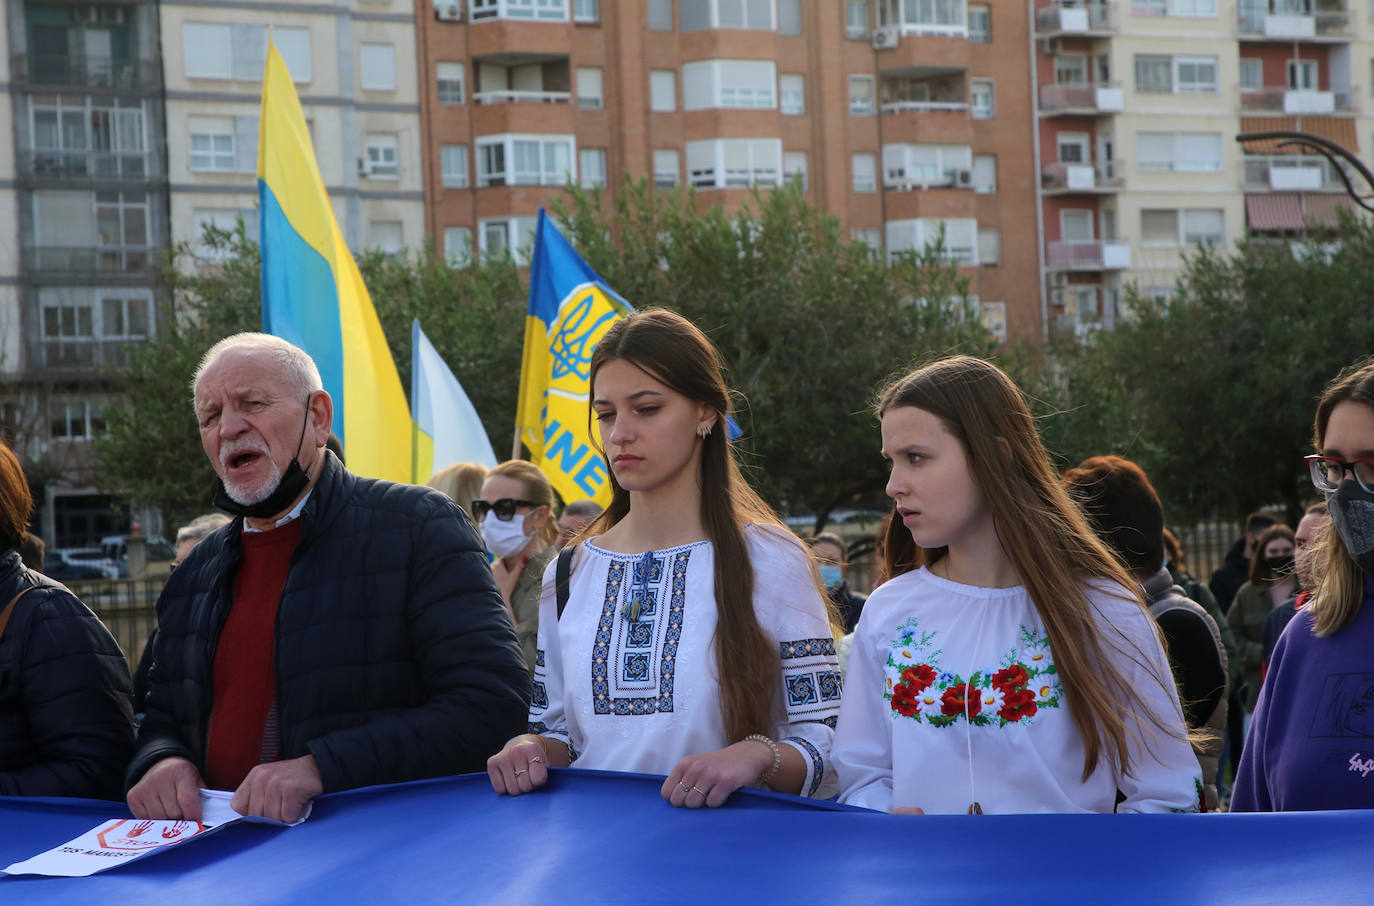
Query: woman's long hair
x=1340 y=587
x=1046 y=538
x=1261 y=573
x=678 y=355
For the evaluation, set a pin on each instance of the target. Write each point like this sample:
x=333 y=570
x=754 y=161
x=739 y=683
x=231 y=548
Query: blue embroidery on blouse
x=807 y=648
x=639 y=633
x=832 y=686
x=539 y=657
x=539 y=696
x=801 y=689
x=817 y=763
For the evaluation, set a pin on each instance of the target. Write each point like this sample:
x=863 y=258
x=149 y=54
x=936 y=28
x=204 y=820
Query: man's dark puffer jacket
x=395 y=656
x=66 y=718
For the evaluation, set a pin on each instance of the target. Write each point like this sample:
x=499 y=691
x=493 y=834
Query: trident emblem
x=572 y=345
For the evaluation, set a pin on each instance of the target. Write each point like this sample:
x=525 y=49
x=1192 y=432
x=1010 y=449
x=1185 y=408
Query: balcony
x=1087 y=20
x=127 y=166
x=77 y=354
x=85 y=71
x=1290 y=173
x=1281 y=99
x=1089 y=255
x=522 y=97
x=1069 y=178
x=1256 y=22
x=90 y=261
x=1081 y=99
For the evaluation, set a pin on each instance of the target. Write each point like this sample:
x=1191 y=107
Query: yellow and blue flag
x=570 y=309
x=447 y=429
x=313 y=295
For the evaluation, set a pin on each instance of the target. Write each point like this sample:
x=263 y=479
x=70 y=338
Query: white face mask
x=505 y=539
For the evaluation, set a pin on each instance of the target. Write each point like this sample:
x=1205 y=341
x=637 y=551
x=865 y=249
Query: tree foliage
x=1215 y=391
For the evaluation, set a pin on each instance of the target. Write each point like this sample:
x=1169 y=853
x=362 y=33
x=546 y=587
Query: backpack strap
x=561 y=575
x=9 y=609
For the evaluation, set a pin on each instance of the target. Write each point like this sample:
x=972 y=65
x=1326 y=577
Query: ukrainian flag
x=570 y=309
x=447 y=427
x=313 y=295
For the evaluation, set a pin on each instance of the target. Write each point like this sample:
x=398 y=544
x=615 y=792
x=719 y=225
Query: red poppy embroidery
x=1017 y=704
x=905 y=700
x=957 y=700
x=1013 y=677
x=920 y=677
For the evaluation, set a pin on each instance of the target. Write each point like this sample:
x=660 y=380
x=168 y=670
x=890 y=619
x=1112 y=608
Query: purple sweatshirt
x=1311 y=742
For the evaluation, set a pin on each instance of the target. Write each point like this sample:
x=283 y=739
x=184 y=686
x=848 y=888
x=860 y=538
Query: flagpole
x=515 y=444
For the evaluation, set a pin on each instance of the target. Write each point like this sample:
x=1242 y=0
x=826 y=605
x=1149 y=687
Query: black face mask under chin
x=288 y=489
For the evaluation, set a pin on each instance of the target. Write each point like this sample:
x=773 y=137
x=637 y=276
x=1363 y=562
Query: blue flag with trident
x=570 y=310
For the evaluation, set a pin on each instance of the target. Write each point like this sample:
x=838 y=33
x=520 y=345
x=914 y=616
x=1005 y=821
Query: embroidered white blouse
x=627 y=678
x=953 y=698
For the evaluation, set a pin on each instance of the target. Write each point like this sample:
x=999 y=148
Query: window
x=1076 y=225
x=989 y=246
x=792 y=91
x=543 y=10
x=524 y=160
x=212 y=144
x=938 y=16
x=75 y=420
x=861 y=95
x=207 y=51
x=856 y=19
x=794 y=164
x=514 y=235
x=1170 y=227
x=736 y=84
x=1302 y=75
x=1251 y=74
x=984 y=104
x=961 y=237
x=729 y=163
x=993 y=316
x=450 y=76
x=378 y=67
x=591 y=165
x=662 y=90
x=1204 y=226
x=1196 y=75
x=1180 y=152
x=589 y=87
x=124 y=317
x=453 y=166
x=1153 y=73
x=911 y=165
x=985 y=173
x=873 y=238
x=386 y=236
x=865 y=172
x=667 y=169
x=698 y=15
x=789 y=17
x=240 y=51
x=220 y=220
x=1070 y=69
x=1158 y=227
x=458 y=246
x=660 y=15
x=586 y=10
x=980 y=24
x=1193 y=8
x=383 y=156
x=1072 y=147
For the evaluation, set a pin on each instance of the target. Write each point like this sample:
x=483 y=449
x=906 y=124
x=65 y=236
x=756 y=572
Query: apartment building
x=354 y=69
x=83 y=206
x=1140 y=103
x=899 y=116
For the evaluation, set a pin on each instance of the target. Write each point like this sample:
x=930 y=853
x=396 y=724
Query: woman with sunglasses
x=696 y=640
x=1309 y=743
x=515 y=516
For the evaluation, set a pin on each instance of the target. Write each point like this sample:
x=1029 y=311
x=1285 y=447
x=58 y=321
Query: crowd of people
x=1033 y=643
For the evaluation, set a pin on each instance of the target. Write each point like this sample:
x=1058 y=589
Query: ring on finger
x=685 y=787
x=699 y=790
x=536 y=758
x=519 y=771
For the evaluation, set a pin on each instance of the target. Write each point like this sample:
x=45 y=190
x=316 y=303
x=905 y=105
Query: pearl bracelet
x=777 y=758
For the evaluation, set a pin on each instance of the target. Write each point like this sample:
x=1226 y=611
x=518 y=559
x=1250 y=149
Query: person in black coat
x=347 y=629
x=66 y=718
x=1235 y=569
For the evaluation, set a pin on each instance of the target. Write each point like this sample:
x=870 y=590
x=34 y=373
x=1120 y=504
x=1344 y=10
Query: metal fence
x=127 y=607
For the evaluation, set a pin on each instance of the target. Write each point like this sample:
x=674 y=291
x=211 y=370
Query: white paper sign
x=120 y=841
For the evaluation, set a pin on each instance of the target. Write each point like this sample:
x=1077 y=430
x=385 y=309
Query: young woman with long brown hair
x=696 y=641
x=1008 y=663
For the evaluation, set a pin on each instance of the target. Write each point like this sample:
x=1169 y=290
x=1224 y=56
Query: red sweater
x=245 y=676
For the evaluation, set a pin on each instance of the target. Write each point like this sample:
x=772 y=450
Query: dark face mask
x=1352 y=513
x=1281 y=566
x=288 y=489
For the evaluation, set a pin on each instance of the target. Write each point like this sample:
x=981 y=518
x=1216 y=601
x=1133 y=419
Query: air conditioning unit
x=887 y=38
x=963 y=178
x=1052 y=45
x=448 y=12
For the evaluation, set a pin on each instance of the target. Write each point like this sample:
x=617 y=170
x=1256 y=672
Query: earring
x=703 y=431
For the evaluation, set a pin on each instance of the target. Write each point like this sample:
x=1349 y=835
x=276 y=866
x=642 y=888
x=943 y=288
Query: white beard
x=254 y=492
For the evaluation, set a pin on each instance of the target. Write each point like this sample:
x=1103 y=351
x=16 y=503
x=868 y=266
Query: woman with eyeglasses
x=1309 y=743
x=515 y=516
x=696 y=640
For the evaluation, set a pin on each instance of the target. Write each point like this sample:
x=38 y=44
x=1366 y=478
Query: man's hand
x=279 y=790
x=170 y=791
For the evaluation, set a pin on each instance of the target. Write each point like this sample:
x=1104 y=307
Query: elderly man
x=341 y=632
x=574 y=519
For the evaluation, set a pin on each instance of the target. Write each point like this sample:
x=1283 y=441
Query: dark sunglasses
x=504 y=508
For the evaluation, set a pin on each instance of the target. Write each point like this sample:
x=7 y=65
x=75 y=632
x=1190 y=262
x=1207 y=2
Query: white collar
x=294 y=514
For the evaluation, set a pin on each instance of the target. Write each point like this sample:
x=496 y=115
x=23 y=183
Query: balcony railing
x=522 y=97
x=1258 y=21
x=1290 y=172
x=1081 y=177
x=922 y=106
x=86 y=164
x=897 y=180
x=77 y=260
x=1281 y=99
x=81 y=355
x=1082 y=97
x=1086 y=18
x=1092 y=255
x=85 y=71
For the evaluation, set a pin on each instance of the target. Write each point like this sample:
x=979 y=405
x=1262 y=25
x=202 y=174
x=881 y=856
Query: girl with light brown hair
x=1008 y=663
